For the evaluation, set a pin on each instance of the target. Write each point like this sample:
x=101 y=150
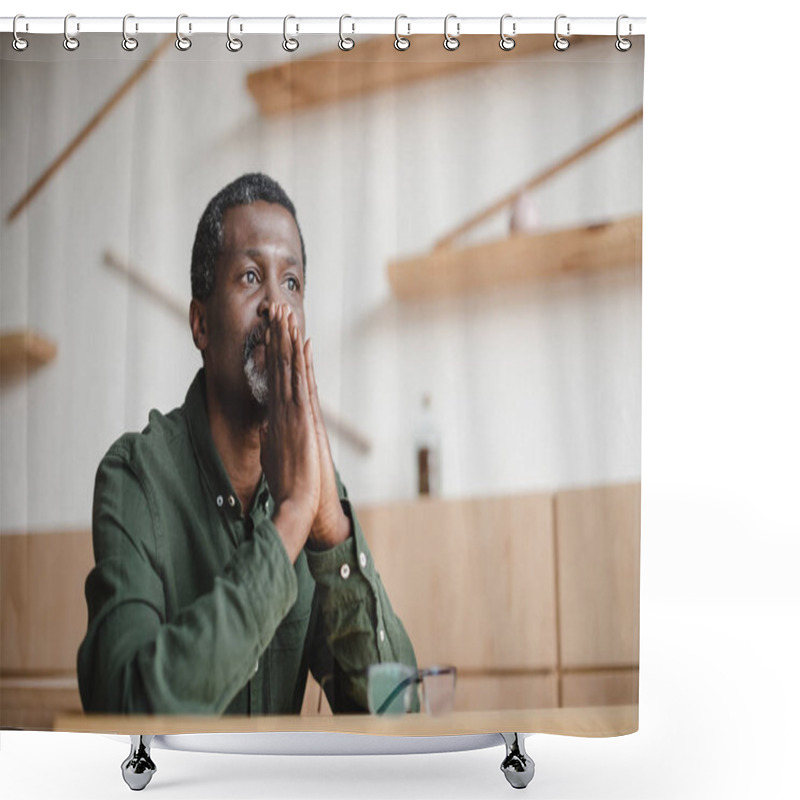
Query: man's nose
x=269 y=294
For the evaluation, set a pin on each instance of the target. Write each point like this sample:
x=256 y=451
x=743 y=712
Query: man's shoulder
x=164 y=437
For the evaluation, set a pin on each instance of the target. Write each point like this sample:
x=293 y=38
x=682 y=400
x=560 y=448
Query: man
x=228 y=559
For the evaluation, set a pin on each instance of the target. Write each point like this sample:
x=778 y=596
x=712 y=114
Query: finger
x=312 y=385
x=268 y=319
x=272 y=353
x=285 y=354
x=299 y=383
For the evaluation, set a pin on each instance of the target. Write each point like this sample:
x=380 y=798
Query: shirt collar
x=211 y=467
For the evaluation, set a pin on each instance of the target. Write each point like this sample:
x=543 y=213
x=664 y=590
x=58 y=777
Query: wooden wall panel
x=606 y=688
x=504 y=692
x=34 y=704
x=598 y=575
x=472 y=580
x=42 y=625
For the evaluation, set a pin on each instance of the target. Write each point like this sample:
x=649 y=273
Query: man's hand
x=289 y=451
x=331 y=525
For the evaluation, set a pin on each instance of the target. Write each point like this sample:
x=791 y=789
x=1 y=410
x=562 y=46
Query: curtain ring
x=506 y=42
x=289 y=44
x=233 y=44
x=70 y=42
x=345 y=42
x=451 y=42
x=129 y=43
x=400 y=42
x=623 y=45
x=182 y=42
x=18 y=43
x=560 y=42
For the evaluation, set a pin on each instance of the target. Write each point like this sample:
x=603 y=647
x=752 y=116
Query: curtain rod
x=407 y=26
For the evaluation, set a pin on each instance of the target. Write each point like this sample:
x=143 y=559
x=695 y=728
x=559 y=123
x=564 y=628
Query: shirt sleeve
x=132 y=660
x=357 y=623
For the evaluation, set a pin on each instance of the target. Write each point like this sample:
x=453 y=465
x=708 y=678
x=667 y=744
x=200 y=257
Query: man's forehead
x=247 y=226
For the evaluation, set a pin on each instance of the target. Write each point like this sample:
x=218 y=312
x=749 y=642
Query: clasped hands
x=295 y=453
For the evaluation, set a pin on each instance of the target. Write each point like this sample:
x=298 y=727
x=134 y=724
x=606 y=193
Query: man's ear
x=197 y=320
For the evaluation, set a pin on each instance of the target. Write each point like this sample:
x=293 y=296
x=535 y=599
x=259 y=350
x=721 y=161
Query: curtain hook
x=129 y=43
x=506 y=42
x=233 y=44
x=18 y=43
x=400 y=42
x=451 y=42
x=70 y=42
x=182 y=42
x=345 y=42
x=560 y=43
x=289 y=44
x=623 y=45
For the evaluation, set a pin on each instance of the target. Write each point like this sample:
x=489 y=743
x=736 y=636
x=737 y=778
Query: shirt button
x=256 y=669
x=362 y=559
x=345 y=571
x=220 y=500
x=231 y=500
x=382 y=634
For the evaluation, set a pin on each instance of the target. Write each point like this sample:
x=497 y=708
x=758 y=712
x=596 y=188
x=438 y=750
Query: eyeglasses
x=392 y=688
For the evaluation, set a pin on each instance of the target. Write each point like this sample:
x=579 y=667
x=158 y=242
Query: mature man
x=229 y=561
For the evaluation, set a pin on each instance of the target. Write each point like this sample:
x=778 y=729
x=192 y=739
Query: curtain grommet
x=289 y=44
x=346 y=43
x=129 y=43
x=451 y=42
x=183 y=43
x=17 y=42
x=233 y=44
x=623 y=45
x=401 y=43
x=507 y=42
x=560 y=43
x=70 y=43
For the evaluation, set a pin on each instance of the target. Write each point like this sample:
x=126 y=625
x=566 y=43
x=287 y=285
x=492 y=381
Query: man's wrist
x=329 y=536
x=293 y=528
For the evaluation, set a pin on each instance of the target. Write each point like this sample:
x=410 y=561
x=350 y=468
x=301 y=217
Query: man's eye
x=250 y=276
x=293 y=284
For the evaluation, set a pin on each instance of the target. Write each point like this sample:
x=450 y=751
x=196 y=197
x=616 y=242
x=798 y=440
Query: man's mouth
x=254 y=339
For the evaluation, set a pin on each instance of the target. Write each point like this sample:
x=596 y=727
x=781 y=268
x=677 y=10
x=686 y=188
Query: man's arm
x=134 y=661
x=357 y=624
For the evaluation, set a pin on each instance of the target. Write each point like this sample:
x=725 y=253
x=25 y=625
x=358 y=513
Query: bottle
x=427 y=446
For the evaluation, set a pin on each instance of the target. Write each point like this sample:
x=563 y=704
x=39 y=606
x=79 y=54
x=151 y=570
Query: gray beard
x=257 y=381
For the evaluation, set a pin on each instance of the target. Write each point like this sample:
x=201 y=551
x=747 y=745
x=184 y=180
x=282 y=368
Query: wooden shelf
x=518 y=259
x=374 y=65
x=23 y=351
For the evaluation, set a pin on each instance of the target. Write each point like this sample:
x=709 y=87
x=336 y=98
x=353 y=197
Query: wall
x=533 y=389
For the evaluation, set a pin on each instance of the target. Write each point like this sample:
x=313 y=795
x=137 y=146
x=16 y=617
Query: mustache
x=254 y=338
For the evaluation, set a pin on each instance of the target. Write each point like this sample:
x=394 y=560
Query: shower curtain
x=464 y=238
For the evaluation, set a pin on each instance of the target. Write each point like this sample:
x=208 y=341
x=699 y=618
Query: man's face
x=261 y=262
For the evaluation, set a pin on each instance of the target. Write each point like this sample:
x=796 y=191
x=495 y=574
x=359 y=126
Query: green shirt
x=194 y=605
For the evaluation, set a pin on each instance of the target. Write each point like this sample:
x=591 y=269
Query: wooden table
x=594 y=721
